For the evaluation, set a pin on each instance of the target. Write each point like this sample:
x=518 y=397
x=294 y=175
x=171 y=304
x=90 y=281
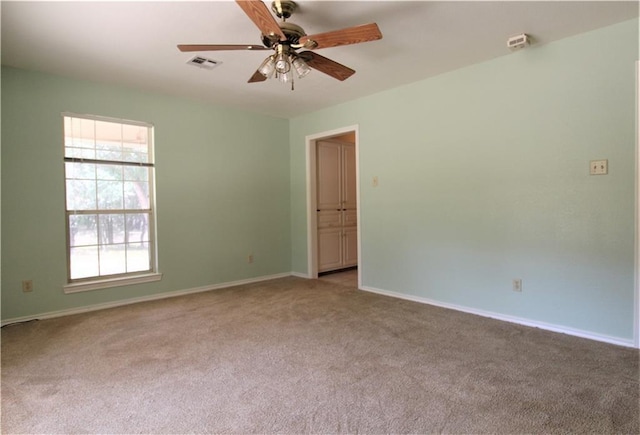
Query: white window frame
x=107 y=281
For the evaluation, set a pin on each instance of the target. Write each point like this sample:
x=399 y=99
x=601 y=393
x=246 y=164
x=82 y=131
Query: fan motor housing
x=293 y=32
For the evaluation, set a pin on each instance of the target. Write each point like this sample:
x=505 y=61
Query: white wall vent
x=519 y=41
x=203 y=62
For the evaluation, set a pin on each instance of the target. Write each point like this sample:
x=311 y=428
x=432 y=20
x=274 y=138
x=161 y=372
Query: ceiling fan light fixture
x=268 y=66
x=283 y=65
x=285 y=77
x=301 y=67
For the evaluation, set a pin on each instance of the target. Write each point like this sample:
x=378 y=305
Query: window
x=109 y=202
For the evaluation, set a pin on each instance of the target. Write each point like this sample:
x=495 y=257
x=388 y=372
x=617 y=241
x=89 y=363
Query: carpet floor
x=306 y=356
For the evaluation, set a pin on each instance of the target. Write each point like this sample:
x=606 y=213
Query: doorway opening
x=343 y=277
x=349 y=136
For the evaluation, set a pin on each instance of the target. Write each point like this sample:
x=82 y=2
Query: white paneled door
x=337 y=205
x=329 y=176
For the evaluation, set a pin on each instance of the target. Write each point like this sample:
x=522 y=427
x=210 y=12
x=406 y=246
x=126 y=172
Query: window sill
x=113 y=282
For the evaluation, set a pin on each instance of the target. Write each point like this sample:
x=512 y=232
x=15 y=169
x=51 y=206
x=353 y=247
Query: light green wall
x=483 y=177
x=222 y=182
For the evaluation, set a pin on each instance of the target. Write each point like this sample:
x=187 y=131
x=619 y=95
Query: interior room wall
x=484 y=178
x=222 y=191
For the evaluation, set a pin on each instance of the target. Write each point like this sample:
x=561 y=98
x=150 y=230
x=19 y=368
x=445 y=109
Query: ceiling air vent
x=203 y=62
x=519 y=41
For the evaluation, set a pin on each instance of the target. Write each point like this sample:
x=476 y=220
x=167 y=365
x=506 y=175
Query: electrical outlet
x=517 y=285
x=250 y=258
x=599 y=167
x=27 y=286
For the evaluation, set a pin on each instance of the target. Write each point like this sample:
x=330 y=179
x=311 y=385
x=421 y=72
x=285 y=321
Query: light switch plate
x=599 y=167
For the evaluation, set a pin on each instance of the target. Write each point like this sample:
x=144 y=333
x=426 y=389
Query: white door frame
x=636 y=317
x=312 y=224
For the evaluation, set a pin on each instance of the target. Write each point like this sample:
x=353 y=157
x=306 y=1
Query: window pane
x=109 y=140
x=87 y=134
x=133 y=173
x=138 y=227
x=83 y=133
x=83 y=230
x=84 y=171
x=109 y=172
x=112 y=259
x=136 y=134
x=84 y=262
x=111 y=229
x=81 y=195
x=137 y=157
x=109 y=146
x=136 y=147
x=83 y=153
x=136 y=195
x=68 y=132
x=109 y=155
x=138 y=258
x=135 y=143
x=110 y=195
x=109 y=133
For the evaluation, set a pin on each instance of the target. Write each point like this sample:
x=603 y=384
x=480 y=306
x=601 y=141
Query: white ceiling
x=134 y=43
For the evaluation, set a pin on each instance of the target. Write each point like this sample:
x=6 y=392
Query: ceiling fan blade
x=257 y=77
x=351 y=35
x=260 y=15
x=327 y=66
x=220 y=47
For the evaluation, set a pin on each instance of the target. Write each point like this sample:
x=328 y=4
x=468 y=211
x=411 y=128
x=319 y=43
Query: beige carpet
x=301 y=356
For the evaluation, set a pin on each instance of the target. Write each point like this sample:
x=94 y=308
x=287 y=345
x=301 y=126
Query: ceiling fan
x=285 y=39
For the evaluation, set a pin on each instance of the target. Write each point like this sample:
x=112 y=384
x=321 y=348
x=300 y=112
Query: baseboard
x=506 y=318
x=172 y=294
x=483 y=313
x=300 y=275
